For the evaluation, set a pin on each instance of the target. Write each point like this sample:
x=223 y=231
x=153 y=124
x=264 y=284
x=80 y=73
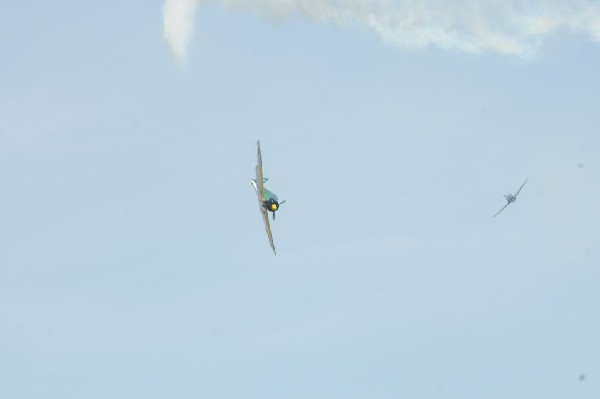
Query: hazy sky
x=133 y=260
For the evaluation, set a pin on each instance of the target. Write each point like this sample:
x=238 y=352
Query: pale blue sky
x=134 y=264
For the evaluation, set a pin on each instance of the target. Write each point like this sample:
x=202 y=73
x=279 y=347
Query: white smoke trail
x=178 y=25
x=514 y=27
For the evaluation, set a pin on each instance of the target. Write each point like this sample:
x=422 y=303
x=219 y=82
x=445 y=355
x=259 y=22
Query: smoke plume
x=515 y=27
x=178 y=25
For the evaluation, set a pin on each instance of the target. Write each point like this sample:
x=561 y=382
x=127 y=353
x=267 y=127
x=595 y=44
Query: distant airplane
x=511 y=198
x=267 y=200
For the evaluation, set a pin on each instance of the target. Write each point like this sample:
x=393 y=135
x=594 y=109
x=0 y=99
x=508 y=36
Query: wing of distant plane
x=260 y=185
x=265 y=216
x=261 y=194
x=507 y=204
x=521 y=187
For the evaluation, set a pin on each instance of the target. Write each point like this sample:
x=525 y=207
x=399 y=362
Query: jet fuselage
x=510 y=198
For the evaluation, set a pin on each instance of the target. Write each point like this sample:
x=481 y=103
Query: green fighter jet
x=267 y=200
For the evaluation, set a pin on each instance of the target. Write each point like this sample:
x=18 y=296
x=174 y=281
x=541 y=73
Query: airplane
x=267 y=200
x=511 y=198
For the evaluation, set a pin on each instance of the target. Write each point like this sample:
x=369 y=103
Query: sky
x=133 y=260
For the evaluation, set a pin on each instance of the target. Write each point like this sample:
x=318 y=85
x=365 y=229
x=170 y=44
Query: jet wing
x=265 y=216
x=521 y=187
x=507 y=204
x=261 y=194
x=260 y=185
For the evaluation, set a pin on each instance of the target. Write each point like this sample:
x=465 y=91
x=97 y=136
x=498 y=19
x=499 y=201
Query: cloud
x=513 y=27
x=178 y=25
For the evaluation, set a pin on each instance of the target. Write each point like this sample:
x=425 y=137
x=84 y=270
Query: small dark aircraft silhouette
x=511 y=198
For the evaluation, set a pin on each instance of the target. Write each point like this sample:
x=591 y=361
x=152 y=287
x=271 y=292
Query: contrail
x=513 y=27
